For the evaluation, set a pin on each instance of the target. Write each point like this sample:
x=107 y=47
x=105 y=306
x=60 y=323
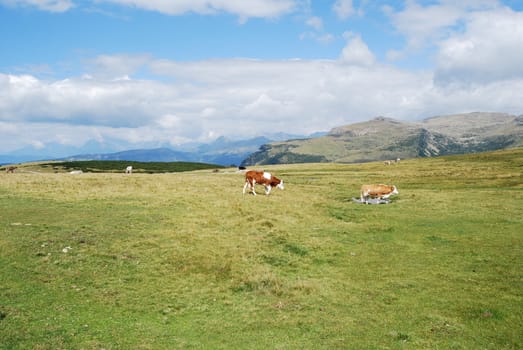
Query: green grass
x=184 y=261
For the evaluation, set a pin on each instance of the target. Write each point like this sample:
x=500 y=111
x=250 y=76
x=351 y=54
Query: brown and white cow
x=253 y=177
x=377 y=191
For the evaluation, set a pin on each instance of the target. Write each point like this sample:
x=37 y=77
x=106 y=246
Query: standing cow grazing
x=377 y=191
x=129 y=169
x=253 y=177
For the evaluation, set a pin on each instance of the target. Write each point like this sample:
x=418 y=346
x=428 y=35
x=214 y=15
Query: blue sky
x=311 y=31
x=137 y=73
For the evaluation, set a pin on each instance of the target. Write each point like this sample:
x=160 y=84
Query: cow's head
x=394 y=190
x=280 y=185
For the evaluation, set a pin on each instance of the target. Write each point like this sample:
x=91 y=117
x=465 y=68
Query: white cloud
x=244 y=9
x=117 y=103
x=489 y=49
x=322 y=38
x=315 y=22
x=169 y=121
x=45 y=5
x=318 y=33
x=236 y=98
x=425 y=26
x=356 y=51
x=116 y=66
x=343 y=8
x=37 y=144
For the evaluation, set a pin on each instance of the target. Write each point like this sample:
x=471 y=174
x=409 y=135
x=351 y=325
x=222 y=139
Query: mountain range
x=385 y=138
x=377 y=139
x=222 y=151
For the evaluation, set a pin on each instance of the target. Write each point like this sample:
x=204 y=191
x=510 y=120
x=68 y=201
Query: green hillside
x=113 y=166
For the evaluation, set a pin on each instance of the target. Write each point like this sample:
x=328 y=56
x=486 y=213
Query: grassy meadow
x=185 y=261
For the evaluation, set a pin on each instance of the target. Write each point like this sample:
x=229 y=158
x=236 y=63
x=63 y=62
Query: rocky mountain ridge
x=386 y=138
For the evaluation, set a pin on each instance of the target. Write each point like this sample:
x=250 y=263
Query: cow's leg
x=268 y=189
x=249 y=184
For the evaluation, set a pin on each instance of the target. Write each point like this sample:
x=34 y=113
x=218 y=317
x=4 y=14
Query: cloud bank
x=243 y=9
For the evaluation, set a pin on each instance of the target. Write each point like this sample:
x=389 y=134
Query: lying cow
x=253 y=177
x=376 y=191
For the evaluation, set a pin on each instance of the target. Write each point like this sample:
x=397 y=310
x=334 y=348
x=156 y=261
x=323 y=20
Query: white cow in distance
x=129 y=169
